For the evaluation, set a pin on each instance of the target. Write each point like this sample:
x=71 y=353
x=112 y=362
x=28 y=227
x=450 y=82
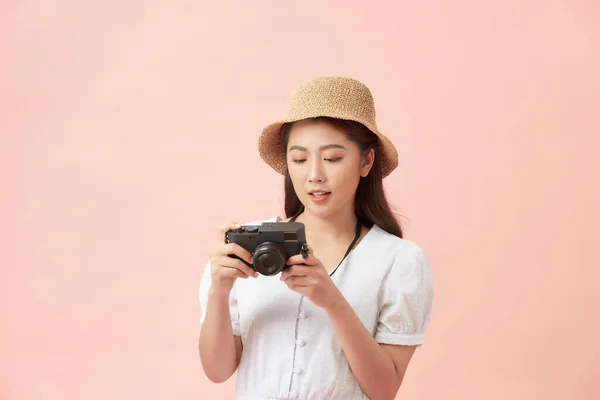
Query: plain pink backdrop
x=128 y=134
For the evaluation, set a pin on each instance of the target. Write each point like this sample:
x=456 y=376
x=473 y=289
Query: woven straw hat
x=335 y=97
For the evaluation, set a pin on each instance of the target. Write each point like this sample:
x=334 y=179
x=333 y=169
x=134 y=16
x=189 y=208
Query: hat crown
x=339 y=97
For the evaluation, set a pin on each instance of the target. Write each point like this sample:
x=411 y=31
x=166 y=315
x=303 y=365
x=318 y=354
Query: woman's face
x=325 y=167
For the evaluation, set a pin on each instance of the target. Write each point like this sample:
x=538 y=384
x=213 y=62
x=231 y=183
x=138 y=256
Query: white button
x=301 y=342
x=298 y=370
x=293 y=394
x=302 y=315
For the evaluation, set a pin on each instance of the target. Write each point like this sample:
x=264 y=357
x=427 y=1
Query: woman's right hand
x=224 y=269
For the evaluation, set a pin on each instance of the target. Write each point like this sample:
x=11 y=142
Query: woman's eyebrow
x=325 y=147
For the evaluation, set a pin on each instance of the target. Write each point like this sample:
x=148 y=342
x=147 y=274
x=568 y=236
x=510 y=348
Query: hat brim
x=273 y=153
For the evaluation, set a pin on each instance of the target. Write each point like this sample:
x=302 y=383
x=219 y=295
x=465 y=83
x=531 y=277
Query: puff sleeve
x=205 y=283
x=406 y=298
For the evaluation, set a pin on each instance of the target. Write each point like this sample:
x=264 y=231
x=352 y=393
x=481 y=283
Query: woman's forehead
x=316 y=132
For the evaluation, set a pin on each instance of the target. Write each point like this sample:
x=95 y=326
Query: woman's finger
x=307 y=258
x=296 y=270
x=298 y=259
x=232 y=273
x=299 y=281
x=230 y=249
x=223 y=229
x=234 y=263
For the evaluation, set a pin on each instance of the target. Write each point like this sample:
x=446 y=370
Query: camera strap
x=356 y=237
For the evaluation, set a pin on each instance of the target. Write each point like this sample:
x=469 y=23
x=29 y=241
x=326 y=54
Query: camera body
x=270 y=243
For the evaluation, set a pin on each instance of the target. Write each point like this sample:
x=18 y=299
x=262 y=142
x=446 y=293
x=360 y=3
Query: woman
x=344 y=322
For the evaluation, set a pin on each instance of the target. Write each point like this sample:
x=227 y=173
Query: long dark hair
x=370 y=202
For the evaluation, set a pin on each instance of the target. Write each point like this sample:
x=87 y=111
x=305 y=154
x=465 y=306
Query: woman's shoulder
x=406 y=258
x=394 y=244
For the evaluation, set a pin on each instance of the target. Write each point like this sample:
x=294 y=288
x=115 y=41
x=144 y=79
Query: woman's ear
x=367 y=162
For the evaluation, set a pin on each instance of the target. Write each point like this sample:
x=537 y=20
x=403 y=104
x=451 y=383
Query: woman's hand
x=308 y=277
x=224 y=269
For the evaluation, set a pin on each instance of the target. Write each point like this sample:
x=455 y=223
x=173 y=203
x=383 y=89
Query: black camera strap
x=356 y=237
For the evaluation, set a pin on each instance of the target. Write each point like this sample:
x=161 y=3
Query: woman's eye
x=302 y=160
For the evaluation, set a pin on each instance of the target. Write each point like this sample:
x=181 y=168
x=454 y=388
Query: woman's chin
x=321 y=211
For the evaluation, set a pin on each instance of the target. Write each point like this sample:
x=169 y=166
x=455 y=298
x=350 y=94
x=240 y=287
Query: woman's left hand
x=308 y=277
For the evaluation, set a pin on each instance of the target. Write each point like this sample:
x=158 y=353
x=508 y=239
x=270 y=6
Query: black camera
x=270 y=244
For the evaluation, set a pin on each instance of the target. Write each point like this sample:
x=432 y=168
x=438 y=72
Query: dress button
x=301 y=342
x=293 y=394
x=298 y=371
x=302 y=315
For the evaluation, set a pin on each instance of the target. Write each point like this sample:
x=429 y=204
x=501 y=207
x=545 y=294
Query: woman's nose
x=316 y=173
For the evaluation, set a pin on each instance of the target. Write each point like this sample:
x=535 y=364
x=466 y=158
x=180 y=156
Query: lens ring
x=269 y=259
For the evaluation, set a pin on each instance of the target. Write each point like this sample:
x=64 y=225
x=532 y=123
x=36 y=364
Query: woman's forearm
x=372 y=367
x=219 y=348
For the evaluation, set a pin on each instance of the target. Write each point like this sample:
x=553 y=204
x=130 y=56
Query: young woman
x=344 y=322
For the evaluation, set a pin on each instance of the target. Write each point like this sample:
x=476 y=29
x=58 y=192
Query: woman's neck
x=341 y=225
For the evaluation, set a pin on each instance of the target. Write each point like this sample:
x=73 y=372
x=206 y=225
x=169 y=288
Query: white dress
x=290 y=350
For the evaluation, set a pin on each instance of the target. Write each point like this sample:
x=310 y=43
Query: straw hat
x=335 y=97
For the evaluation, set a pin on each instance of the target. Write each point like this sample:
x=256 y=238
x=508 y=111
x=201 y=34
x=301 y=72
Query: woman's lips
x=319 y=197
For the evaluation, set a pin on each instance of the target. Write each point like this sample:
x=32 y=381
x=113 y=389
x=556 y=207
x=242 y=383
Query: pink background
x=128 y=135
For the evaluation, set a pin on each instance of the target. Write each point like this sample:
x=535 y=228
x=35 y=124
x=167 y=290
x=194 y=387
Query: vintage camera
x=270 y=244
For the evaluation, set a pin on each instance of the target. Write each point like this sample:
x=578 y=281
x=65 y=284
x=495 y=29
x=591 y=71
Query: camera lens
x=269 y=259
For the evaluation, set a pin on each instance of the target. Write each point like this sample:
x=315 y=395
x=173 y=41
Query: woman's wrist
x=216 y=293
x=337 y=303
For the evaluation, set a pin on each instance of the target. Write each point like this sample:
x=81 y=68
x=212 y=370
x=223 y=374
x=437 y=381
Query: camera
x=270 y=243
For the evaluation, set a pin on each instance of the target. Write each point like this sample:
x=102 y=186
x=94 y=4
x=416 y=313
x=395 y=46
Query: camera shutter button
x=251 y=229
